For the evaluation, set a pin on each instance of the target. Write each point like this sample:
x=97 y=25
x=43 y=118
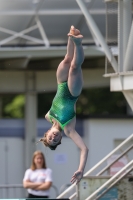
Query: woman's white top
x=38 y=175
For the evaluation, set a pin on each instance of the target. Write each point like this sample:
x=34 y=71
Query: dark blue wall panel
x=16 y=127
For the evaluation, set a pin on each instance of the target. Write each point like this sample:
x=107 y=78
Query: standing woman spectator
x=38 y=179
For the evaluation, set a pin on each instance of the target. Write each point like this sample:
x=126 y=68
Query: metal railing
x=5 y=190
x=13 y=188
x=109 y=184
x=99 y=164
x=120 y=156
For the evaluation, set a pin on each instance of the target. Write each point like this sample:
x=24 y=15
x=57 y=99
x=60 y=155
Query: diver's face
x=53 y=136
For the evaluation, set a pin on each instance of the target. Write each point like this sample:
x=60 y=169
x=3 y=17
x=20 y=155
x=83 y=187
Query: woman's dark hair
x=44 y=140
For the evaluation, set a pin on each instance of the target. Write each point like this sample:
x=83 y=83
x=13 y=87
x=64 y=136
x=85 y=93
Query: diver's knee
x=67 y=59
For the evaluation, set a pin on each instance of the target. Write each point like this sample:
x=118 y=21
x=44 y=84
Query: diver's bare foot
x=74 y=31
x=75 y=35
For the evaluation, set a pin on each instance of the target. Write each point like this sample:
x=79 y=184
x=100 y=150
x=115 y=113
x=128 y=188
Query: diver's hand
x=77 y=177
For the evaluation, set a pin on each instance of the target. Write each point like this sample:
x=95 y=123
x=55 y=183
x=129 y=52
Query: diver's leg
x=64 y=66
x=75 y=78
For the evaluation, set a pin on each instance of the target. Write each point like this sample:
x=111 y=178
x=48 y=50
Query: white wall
x=15 y=81
x=100 y=135
x=11 y=165
x=63 y=162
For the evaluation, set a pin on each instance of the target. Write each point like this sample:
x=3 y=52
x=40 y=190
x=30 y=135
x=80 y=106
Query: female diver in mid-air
x=62 y=112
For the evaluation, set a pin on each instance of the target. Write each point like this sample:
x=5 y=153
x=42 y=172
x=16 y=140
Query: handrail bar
x=21 y=186
x=64 y=187
x=117 y=180
x=110 y=154
x=110 y=180
x=97 y=165
x=11 y=186
x=66 y=191
x=121 y=155
x=72 y=196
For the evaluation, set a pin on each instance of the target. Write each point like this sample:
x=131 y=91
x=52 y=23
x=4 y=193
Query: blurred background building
x=33 y=38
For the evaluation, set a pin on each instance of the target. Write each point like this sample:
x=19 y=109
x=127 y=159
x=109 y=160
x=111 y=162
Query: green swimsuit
x=62 y=109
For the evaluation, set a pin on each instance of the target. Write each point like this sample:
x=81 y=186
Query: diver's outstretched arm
x=71 y=132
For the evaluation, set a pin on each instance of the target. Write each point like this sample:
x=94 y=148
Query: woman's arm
x=31 y=185
x=71 y=132
x=47 y=117
x=44 y=186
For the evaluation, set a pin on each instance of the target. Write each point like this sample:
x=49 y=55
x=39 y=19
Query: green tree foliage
x=15 y=109
x=101 y=101
x=44 y=103
x=92 y=101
